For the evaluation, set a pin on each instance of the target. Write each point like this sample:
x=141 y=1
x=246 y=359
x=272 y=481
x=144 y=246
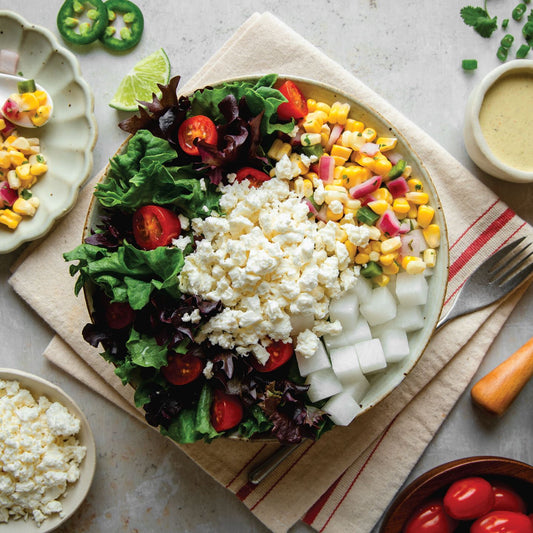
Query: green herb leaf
x=480 y=20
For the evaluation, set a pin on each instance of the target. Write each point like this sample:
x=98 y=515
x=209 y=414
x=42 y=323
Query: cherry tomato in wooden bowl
x=226 y=411
x=197 y=127
x=502 y=522
x=182 y=368
x=279 y=352
x=431 y=518
x=155 y=226
x=469 y=498
x=507 y=499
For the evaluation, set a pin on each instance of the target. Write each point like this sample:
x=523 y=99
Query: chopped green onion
x=367 y=216
x=507 y=41
x=371 y=270
x=26 y=194
x=505 y=23
x=523 y=51
x=469 y=64
x=397 y=170
x=502 y=52
x=26 y=86
x=518 y=11
x=313 y=150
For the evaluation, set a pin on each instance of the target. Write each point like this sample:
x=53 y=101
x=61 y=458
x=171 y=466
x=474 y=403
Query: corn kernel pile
x=34 y=105
x=347 y=142
x=21 y=165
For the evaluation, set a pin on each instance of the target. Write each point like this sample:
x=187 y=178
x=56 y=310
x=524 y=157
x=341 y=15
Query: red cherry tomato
x=469 y=498
x=280 y=352
x=254 y=176
x=507 y=499
x=182 y=368
x=155 y=226
x=197 y=127
x=430 y=518
x=502 y=522
x=118 y=315
x=226 y=411
x=296 y=107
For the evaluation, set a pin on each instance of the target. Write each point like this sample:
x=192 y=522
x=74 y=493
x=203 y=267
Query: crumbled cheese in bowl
x=266 y=261
x=40 y=454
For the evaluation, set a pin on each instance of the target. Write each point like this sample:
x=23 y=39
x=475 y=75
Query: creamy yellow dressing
x=506 y=120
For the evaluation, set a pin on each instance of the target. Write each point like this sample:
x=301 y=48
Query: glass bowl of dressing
x=498 y=129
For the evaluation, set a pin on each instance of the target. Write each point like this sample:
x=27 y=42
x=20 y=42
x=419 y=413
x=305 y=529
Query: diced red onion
x=367 y=199
x=413 y=243
x=326 y=165
x=7 y=194
x=398 y=187
x=323 y=213
x=9 y=127
x=8 y=61
x=405 y=227
x=388 y=223
x=312 y=208
x=370 y=149
x=333 y=136
x=367 y=187
x=393 y=157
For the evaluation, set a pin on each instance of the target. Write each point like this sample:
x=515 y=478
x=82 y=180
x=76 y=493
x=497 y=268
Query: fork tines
x=504 y=266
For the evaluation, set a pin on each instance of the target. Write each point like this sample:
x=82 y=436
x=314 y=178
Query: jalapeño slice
x=130 y=34
x=71 y=25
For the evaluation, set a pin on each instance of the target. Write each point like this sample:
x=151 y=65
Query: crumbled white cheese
x=39 y=454
x=181 y=242
x=265 y=260
x=184 y=221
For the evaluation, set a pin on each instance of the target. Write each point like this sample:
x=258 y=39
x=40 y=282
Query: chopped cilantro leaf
x=480 y=20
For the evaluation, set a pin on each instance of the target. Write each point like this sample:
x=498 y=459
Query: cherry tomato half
x=197 y=127
x=296 y=107
x=155 y=226
x=507 y=499
x=430 y=518
x=118 y=315
x=280 y=352
x=469 y=498
x=182 y=368
x=502 y=522
x=226 y=411
x=254 y=176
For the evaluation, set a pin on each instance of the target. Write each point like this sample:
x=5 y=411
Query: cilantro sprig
x=480 y=20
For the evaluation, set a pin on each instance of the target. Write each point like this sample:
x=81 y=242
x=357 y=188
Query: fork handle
x=499 y=388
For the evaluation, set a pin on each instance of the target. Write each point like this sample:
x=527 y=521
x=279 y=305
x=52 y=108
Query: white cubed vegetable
x=363 y=289
x=358 y=390
x=342 y=408
x=395 y=344
x=361 y=332
x=411 y=289
x=380 y=308
x=345 y=364
x=322 y=384
x=370 y=355
x=409 y=318
x=428 y=272
x=346 y=310
x=318 y=361
x=301 y=321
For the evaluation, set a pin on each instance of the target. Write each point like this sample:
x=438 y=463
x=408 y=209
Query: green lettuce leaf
x=145 y=351
x=257 y=422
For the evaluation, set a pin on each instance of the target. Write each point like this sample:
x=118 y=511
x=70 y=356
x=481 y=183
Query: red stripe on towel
x=473 y=224
x=311 y=515
x=246 y=465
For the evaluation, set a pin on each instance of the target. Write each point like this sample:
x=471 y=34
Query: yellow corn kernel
x=365 y=249
x=362 y=259
x=381 y=164
x=5 y=159
x=28 y=182
x=23 y=207
x=432 y=235
x=298 y=185
x=340 y=151
x=369 y=134
x=313 y=121
x=382 y=280
x=332 y=196
x=354 y=125
x=352 y=249
x=41 y=96
x=413 y=211
x=419 y=198
x=38 y=169
x=21 y=144
x=415 y=185
x=373 y=256
x=352 y=139
x=325 y=132
x=310 y=139
x=391 y=270
x=23 y=171
x=401 y=206
x=311 y=105
x=41 y=115
x=16 y=158
x=363 y=160
x=325 y=108
x=307 y=189
x=2 y=126
x=415 y=267
x=425 y=215
x=331 y=215
x=312 y=176
x=34 y=201
x=337 y=188
x=279 y=149
x=339 y=113
x=354 y=175
x=13 y=179
x=386 y=143
x=383 y=194
x=406 y=259
x=391 y=245
x=337 y=182
x=10 y=139
x=340 y=234
x=407 y=171
x=272 y=173
x=387 y=259
x=297 y=160
x=430 y=257
x=375 y=246
x=9 y=218
x=379 y=206
x=28 y=102
x=351 y=206
x=374 y=234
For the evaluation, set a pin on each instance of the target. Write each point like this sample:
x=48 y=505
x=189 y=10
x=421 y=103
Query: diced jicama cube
x=301 y=321
x=318 y=361
x=411 y=289
x=395 y=344
x=322 y=384
x=358 y=390
x=345 y=309
x=345 y=365
x=363 y=289
x=342 y=408
x=409 y=318
x=370 y=355
x=380 y=308
x=361 y=332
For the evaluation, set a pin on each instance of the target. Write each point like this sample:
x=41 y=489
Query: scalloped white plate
x=76 y=492
x=67 y=140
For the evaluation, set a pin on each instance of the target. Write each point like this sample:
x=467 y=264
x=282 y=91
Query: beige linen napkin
x=347 y=478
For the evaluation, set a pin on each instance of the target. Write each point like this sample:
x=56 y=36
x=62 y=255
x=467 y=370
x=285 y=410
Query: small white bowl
x=476 y=145
x=76 y=492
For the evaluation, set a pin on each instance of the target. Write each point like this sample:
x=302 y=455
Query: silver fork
x=499 y=275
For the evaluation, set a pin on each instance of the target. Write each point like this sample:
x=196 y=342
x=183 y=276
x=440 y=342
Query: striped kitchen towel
x=345 y=480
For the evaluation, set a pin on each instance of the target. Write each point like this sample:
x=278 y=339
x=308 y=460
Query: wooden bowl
x=516 y=474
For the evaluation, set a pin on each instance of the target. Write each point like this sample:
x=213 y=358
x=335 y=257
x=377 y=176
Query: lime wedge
x=141 y=81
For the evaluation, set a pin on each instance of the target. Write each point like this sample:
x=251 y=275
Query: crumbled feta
x=181 y=242
x=39 y=454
